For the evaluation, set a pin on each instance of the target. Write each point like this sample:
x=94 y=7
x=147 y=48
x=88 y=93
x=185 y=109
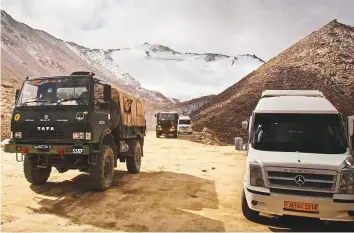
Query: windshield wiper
x=33 y=101
x=64 y=100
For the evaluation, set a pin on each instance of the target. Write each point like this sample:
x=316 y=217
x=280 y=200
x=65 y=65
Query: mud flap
x=19 y=159
x=92 y=159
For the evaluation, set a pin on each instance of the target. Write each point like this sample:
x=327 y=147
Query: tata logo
x=45 y=128
x=45 y=118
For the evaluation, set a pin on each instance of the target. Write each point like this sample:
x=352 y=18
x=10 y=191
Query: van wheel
x=103 y=171
x=247 y=211
x=34 y=175
x=134 y=162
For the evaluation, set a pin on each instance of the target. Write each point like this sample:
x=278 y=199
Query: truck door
x=100 y=116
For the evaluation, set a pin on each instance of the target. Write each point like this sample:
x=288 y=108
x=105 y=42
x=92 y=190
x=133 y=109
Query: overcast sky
x=261 y=27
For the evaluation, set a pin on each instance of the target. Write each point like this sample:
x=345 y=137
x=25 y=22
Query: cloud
x=264 y=28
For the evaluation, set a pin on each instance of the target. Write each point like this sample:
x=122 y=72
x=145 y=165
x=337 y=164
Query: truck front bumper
x=340 y=207
x=69 y=149
x=166 y=131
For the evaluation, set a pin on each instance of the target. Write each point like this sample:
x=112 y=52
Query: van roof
x=295 y=104
x=273 y=93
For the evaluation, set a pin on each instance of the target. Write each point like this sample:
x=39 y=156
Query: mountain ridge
x=323 y=60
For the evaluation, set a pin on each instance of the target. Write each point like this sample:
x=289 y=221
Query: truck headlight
x=78 y=135
x=18 y=134
x=256 y=177
x=88 y=136
x=346 y=184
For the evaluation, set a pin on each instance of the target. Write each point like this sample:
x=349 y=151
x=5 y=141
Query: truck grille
x=301 y=179
x=41 y=135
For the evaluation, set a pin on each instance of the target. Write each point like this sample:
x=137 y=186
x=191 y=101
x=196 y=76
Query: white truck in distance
x=184 y=125
x=299 y=161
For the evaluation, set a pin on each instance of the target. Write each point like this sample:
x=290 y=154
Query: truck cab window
x=98 y=96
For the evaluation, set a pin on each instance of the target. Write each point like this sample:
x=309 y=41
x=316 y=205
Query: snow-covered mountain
x=149 y=71
x=175 y=74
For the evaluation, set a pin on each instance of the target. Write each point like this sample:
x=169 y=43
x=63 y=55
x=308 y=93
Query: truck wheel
x=134 y=163
x=157 y=134
x=175 y=135
x=34 y=175
x=103 y=171
x=247 y=211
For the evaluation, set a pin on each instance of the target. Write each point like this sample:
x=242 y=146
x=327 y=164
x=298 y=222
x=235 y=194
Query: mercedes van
x=184 y=125
x=299 y=158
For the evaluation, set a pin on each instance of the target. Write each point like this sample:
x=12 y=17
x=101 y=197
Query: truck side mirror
x=351 y=134
x=155 y=115
x=17 y=95
x=107 y=93
x=244 y=124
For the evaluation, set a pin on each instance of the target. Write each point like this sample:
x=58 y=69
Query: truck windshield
x=184 y=122
x=54 y=91
x=306 y=133
x=166 y=117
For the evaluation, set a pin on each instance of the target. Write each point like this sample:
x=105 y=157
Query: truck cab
x=299 y=161
x=166 y=124
x=184 y=125
x=73 y=122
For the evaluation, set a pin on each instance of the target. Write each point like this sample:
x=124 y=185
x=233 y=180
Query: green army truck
x=166 y=123
x=76 y=122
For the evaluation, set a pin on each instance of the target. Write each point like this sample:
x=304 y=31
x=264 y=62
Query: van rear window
x=307 y=133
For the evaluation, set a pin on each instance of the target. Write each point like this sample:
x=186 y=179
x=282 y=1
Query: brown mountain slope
x=190 y=106
x=324 y=60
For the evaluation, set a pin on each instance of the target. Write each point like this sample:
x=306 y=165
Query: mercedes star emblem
x=299 y=180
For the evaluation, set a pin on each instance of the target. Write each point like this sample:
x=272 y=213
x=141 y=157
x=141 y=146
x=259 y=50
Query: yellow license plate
x=301 y=207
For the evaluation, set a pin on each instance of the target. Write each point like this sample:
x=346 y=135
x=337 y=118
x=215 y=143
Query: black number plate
x=42 y=147
x=78 y=150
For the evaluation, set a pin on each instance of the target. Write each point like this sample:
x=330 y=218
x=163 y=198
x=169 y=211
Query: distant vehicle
x=299 y=161
x=76 y=122
x=184 y=125
x=166 y=123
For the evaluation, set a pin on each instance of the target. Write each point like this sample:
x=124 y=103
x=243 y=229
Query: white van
x=298 y=158
x=184 y=125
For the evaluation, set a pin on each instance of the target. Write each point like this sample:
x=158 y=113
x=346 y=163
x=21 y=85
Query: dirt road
x=183 y=186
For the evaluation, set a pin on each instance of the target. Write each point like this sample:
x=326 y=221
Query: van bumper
x=340 y=207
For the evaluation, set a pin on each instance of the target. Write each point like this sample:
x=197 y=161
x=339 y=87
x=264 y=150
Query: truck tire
x=157 y=134
x=102 y=172
x=247 y=211
x=34 y=175
x=175 y=135
x=134 y=162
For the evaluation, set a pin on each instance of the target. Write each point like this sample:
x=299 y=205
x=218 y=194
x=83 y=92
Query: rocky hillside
x=324 y=60
x=190 y=106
